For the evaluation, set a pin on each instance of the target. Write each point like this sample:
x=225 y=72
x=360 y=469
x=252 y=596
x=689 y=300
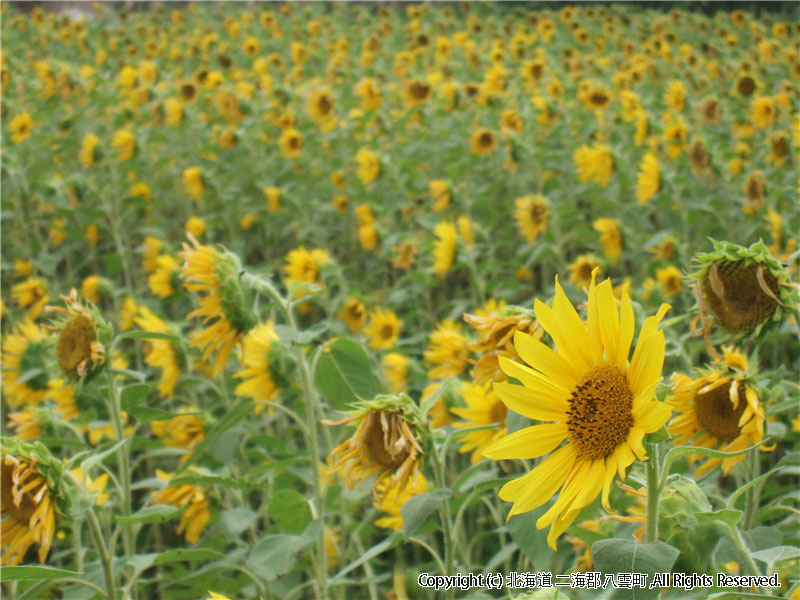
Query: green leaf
x=20 y=572
x=728 y=516
x=133 y=395
x=215 y=480
x=377 y=549
x=658 y=436
x=150 y=413
x=443 y=389
x=185 y=554
x=242 y=409
x=274 y=555
x=344 y=375
x=94 y=459
x=778 y=553
x=290 y=511
x=626 y=556
x=157 y=513
x=236 y=520
x=679 y=451
x=417 y=508
x=312 y=333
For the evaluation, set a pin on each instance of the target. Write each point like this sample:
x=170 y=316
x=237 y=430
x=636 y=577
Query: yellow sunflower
x=20 y=126
x=32 y=295
x=670 y=279
x=223 y=307
x=610 y=238
x=594 y=163
x=392 y=502
x=25 y=351
x=602 y=405
x=440 y=194
x=197 y=514
x=648 y=180
x=582 y=269
x=446 y=354
x=160 y=354
x=444 y=248
x=183 y=431
x=262 y=372
x=291 y=142
x=354 y=314
x=483 y=141
x=531 y=213
x=125 y=143
x=483 y=408
x=395 y=368
x=719 y=410
x=369 y=165
x=166 y=278
x=383 y=329
x=88 y=152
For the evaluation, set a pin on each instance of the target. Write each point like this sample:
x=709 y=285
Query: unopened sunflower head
x=83 y=337
x=743 y=290
x=32 y=493
x=387 y=444
x=496 y=328
x=225 y=307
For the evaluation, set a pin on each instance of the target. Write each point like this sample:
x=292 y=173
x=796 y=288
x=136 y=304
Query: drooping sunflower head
x=83 y=337
x=193 y=497
x=718 y=409
x=447 y=351
x=386 y=444
x=267 y=365
x=741 y=290
x=601 y=402
x=25 y=364
x=32 y=493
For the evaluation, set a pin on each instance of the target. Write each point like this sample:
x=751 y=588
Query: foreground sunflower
x=602 y=405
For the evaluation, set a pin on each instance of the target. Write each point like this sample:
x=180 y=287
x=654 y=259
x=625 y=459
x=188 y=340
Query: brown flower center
x=716 y=414
x=75 y=344
x=737 y=294
x=746 y=86
x=599 y=415
x=387 y=331
x=384 y=430
x=538 y=213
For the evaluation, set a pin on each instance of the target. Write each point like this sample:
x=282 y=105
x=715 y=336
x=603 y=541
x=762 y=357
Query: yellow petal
x=593 y=320
x=536 y=488
x=647 y=363
x=531 y=442
x=609 y=320
x=563 y=336
x=533 y=379
x=528 y=403
x=626 y=326
x=543 y=359
x=652 y=416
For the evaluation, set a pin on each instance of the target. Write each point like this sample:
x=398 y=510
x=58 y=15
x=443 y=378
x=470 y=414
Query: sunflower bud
x=741 y=289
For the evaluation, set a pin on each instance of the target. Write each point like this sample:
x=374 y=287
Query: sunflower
x=173 y=112
x=581 y=270
x=719 y=410
x=354 y=314
x=483 y=141
x=127 y=313
x=273 y=196
x=94 y=287
x=779 y=149
x=369 y=165
x=320 y=105
x=675 y=136
x=125 y=143
x=265 y=365
x=195 y=226
x=763 y=111
x=670 y=280
x=594 y=163
x=160 y=354
x=395 y=368
x=224 y=306
x=531 y=213
x=447 y=351
x=31 y=495
x=88 y=153
x=193 y=182
x=754 y=189
x=83 y=337
x=95 y=486
x=602 y=405
x=20 y=126
x=166 y=278
x=416 y=92
x=440 y=194
x=511 y=121
x=383 y=329
x=369 y=91
x=483 y=408
x=392 y=502
x=184 y=431
x=444 y=248
x=675 y=96
x=385 y=444
x=32 y=295
x=291 y=142
x=302 y=267
x=610 y=238
x=648 y=180
x=197 y=514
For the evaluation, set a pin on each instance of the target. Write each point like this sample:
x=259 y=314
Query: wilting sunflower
x=610 y=238
x=741 y=289
x=31 y=295
x=83 y=337
x=444 y=248
x=266 y=366
x=648 y=180
x=160 y=354
x=446 y=354
x=31 y=494
x=354 y=314
x=224 y=306
x=483 y=408
x=531 y=213
x=25 y=352
x=197 y=514
x=719 y=410
x=383 y=329
x=387 y=444
x=602 y=405
x=392 y=502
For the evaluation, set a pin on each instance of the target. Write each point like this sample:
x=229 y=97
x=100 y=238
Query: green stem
x=105 y=559
x=313 y=414
x=753 y=493
x=123 y=457
x=444 y=514
x=88 y=584
x=77 y=545
x=653 y=493
x=737 y=540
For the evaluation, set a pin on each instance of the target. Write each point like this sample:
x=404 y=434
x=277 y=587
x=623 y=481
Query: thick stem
x=105 y=559
x=653 y=493
x=753 y=493
x=444 y=514
x=737 y=540
x=123 y=457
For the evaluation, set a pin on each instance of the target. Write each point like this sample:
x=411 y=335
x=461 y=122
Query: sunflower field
x=361 y=300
